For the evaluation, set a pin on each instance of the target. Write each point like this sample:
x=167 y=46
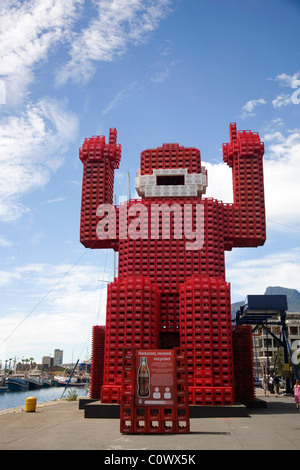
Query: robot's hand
x=96 y=149
x=242 y=144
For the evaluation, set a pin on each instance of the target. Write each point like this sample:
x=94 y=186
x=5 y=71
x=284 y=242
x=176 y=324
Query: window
x=170 y=180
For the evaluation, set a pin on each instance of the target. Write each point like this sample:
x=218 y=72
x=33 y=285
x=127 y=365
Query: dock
x=61 y=425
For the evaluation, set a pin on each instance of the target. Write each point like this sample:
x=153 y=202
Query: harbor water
x=15 y=399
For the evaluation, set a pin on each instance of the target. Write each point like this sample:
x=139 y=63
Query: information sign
x=155 y=372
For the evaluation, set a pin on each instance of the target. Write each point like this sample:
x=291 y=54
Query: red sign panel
x=155 y=377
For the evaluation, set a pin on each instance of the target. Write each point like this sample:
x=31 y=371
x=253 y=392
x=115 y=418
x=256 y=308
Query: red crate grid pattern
x=156 y=419
x=170 y=156
x=243 y=362
x=100 y=159
x=98 y=342
x=244 y=154
x=166 y=258
x=167 y=261
x=132 y=320
x=205 y=333
x=244 y=225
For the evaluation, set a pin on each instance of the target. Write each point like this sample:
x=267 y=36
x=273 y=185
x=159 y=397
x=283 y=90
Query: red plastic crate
x=97 y=363
x=154 y=419
x=243 y=363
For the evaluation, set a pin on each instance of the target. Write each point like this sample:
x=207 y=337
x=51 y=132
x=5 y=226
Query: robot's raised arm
x=244 y=154
x=100 y=159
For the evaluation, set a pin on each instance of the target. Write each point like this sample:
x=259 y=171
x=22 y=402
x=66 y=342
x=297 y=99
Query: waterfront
x=15 y=399
x=61 y=425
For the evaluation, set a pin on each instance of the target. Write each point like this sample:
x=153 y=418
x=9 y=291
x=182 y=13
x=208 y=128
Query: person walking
x=271 y=385
x=276 y=384
x=297 y=393
x=265 y=385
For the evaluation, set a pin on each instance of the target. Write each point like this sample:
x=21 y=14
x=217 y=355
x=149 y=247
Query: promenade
x=61 y=425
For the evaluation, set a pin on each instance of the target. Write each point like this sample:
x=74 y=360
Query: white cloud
x=219 y=177
x=282 y=100
x=249 y=107
x=6 y=277
x=57 y=199
x=121 y=96
x=5 y=243
x=163 y=71
x=63 y=304
x=29 y=30
x=119 y=23
x=292 y=81
x=31 y=147
x=289 y=80
x=282 y=170
x=255 y=275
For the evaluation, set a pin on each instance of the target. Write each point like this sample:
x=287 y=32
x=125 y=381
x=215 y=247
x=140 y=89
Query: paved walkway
x=60 y=425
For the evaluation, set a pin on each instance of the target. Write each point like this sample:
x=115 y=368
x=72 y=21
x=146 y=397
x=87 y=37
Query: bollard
x=30 y=404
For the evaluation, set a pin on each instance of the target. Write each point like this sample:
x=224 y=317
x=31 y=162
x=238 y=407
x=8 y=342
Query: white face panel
x=174 y=182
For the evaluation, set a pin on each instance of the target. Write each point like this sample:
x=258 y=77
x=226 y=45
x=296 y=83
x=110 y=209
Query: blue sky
x=159 y=71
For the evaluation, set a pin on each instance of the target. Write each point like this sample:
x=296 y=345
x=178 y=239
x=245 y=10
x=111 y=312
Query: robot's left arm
x=246 y=226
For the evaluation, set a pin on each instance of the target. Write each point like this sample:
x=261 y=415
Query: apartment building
x=265 y=347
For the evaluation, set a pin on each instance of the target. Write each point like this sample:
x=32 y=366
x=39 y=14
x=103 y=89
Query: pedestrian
x=265 y=385
x=271 y=385
x=276 y=384
x=297 y=393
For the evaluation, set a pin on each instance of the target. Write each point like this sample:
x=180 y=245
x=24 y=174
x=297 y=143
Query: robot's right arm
x=99 y=163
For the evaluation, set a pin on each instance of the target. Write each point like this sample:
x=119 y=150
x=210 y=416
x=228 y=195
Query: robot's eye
x=170 y=180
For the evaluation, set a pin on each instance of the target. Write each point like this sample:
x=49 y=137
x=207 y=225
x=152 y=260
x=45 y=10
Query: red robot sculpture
x=171 y=288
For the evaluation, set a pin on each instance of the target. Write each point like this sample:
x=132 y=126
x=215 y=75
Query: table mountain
x=293 y=298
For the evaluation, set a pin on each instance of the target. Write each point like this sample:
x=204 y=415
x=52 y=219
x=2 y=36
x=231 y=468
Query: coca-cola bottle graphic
x=143 y=379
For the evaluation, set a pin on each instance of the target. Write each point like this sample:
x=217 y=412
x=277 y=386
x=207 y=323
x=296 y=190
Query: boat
x=36 y=380
x=3 y=385
x=34 y=383
x=17 y=383
x=61 y=381
x=47 y=383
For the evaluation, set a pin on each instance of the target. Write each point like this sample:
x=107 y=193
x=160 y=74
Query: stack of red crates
x=168 y=262
x=170 y=156
x=100 y=160
x=243 y=363
x=244 y=155
x=165 y=294
x=98 y=341
x=205 y=330
x=132 y=320
x=156 y=419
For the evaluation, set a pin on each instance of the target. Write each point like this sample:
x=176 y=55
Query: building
x=265 y=347
x=58 y=357
x=47 y=361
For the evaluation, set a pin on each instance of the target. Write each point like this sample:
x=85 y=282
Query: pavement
x=61 y=425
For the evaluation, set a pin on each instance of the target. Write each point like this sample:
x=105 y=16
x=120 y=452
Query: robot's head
x=171 y=171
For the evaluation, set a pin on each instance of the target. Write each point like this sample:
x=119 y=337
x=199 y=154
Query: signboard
x=155 y=372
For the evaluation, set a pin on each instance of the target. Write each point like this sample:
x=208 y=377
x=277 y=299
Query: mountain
x=235 y=306
x=293 y=299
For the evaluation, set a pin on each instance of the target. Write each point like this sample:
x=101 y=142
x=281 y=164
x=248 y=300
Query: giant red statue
x=171 y=288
